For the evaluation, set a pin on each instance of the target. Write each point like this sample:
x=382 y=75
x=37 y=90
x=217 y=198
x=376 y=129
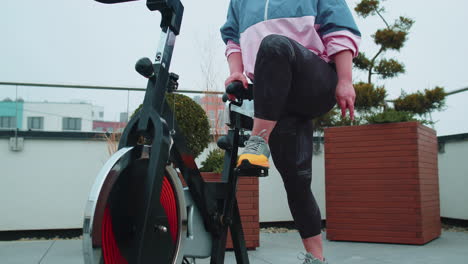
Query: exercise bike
x=138 y=212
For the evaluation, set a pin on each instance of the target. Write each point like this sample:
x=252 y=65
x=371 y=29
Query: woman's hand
x=345 y=97
x=236 y=68
x=236 y=76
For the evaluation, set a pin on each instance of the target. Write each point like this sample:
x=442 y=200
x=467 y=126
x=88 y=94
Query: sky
x=89 y=43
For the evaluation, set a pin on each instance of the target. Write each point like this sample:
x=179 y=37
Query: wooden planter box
x=382 y=183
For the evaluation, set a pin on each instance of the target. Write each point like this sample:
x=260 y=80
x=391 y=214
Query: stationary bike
x=138 y=212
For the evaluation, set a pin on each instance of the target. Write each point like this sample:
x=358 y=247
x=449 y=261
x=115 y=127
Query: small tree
x=392 y=37
x=371 y=105
x=214 y=162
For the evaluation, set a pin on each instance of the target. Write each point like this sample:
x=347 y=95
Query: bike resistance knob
x=144 y=66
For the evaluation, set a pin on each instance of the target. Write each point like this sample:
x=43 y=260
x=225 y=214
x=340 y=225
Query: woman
x=298 y=53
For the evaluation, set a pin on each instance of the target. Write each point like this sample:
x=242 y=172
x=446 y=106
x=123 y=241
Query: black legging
x=292 y=86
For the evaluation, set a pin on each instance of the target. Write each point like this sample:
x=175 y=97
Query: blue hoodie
x=325 y=27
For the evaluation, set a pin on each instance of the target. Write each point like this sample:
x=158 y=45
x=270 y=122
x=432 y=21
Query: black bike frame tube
x=228 y=206
x=157 y=85
x=185 y=161
x=149 y=248
x=155 y=92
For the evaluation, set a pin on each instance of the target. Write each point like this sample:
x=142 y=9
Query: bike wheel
x=113 y=217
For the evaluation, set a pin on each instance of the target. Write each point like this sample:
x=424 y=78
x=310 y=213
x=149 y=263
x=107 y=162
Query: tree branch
x=380 y=15
x=372 y=64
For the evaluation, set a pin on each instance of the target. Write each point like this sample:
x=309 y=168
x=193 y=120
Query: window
x=101 y=114
x=7 y=122
x=71 y=123
x=36 y=123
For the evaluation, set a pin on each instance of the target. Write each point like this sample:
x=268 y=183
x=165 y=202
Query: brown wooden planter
x=382 y=183
x=247 y=198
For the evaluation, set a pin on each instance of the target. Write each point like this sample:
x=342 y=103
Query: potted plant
x=381 y=174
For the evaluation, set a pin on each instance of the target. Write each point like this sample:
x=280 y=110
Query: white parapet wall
x=453 y=177
x=45 y=186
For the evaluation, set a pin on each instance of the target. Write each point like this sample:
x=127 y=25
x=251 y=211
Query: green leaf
x=389 y=68
x=390 y=39
x=368 y=96
x=367 y=8
x=390 y=116
x=419 y=103
x=362 y=62
x=403 y=24
x=214 y=161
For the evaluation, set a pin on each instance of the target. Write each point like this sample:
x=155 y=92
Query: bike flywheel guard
x=113 y=213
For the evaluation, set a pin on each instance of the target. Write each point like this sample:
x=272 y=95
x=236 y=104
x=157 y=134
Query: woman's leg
x=289 y=78
x=263 y=128
x=314 y=246
x=293 y=85
x=291 y=147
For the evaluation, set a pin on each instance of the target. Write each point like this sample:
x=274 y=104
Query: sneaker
x=255 y=154
x=310 y=259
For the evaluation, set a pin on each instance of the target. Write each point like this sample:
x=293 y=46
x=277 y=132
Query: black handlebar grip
x=225 y=97
x=237 y=89
x=144 y=66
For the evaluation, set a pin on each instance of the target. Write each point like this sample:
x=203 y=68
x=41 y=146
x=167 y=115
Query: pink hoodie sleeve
x=232 y=47
x=341 y=40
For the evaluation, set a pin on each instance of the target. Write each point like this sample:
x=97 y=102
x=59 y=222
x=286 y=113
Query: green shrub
x=390 y=116
x=420 y=103
x=192 y=121
x=368 y=96
x=333 y=118
x=214 y=162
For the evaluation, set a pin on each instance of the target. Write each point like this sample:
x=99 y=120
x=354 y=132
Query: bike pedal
x=245 y=169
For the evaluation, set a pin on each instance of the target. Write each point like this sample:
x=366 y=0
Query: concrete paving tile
x=64 y=251
x=231 y=259
x=23 y=252
x=449 y=248
x=283 y=248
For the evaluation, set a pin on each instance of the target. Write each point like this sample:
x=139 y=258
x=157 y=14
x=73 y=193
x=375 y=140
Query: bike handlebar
x=237 y=89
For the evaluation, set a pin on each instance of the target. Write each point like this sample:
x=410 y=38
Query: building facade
x=11 y=115
x=214 y=108
x=53 y=116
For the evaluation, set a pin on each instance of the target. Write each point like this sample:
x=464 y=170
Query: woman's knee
x=276 y=45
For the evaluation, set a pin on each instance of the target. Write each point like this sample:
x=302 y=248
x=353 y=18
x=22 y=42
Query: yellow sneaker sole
x=247 y=161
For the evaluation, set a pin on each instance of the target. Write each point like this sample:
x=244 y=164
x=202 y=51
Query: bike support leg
x=231 y=216
x=237 y=235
